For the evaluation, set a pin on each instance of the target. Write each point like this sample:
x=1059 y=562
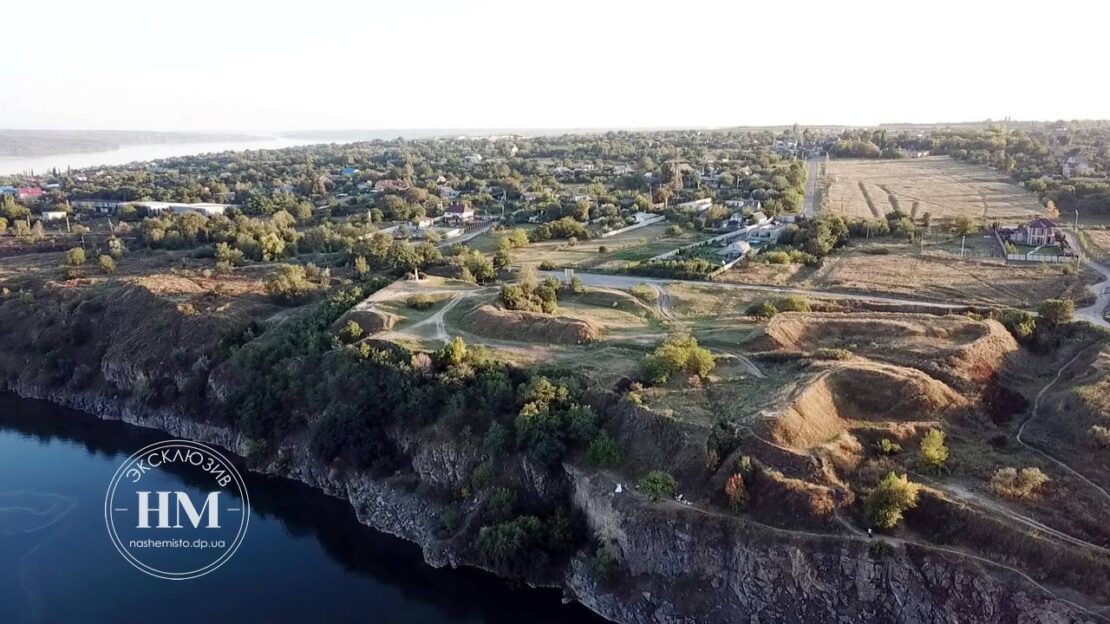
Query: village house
x=1037 y=233
x=1077 y=166
x=459 y=212
x=157 y=207
x=54 y=215
x=383 y=186
x=103 y=206
x=734 y=250
x=698 y=205
x=423 y=222
x=28 y=192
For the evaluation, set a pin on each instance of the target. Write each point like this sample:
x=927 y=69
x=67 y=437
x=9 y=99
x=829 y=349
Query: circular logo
x=177 y=510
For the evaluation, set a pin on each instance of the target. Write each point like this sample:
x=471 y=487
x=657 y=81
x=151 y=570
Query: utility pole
x=963 y=240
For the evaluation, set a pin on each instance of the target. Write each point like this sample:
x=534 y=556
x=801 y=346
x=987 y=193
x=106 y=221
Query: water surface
x=305 y=557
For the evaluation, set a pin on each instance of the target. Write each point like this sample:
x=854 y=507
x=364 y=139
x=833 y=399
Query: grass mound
x=494 y=322
x=961 y=351
x=845 y=397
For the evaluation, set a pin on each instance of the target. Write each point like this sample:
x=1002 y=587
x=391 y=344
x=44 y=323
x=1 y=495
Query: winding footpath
x=1094 y=313
x=1034 y=412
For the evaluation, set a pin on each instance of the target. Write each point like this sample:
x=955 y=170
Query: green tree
x=454 y=352
x=933 y=450
x=1056 y=311
x=890 y=499
x=75 y=257
x=658 y=484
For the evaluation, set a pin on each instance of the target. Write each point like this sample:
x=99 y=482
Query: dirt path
x=627 y=281
x=1094 y=313
x=437 y=319
x=1033 y=416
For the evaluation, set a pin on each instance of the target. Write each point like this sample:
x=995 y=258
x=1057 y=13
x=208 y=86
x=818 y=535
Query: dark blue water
x=305 y=557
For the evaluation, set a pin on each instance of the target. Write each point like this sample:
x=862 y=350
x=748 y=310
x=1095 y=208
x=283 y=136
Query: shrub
x=933 y=451
x=351 y=332
x=762 y=309
x=736 y=492
x=775 y=257
x=1101 y=435
x=826 y=353
x=658 y=484
x=1016 y=483
x=420 y=302
x=542 y=297
x=107 y=265
x=75 y=257
x=604 y=451
x=792 y=304
x=1056 y=311
x=644 y=293
x=886 y=446
x=290 y=284
x=678 y=353
x=602 y=249
x=1018 y=322
x=603 y=564
x=575 y=286
x=890 y=499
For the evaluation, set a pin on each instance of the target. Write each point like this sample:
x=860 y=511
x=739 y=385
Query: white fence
x=1058 y=259
x=633 y=226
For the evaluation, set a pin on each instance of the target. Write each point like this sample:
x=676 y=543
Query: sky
x=242 y=65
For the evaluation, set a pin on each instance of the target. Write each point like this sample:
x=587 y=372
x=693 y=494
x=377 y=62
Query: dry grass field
x=938 y=185
x=904 y=273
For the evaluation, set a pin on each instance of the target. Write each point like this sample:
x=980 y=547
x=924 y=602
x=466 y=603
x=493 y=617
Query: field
x=901 y=272
x=634 y=246
x=940 y=186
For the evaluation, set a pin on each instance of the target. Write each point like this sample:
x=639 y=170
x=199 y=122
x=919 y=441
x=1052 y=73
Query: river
x=305 y=557
x=144 y=152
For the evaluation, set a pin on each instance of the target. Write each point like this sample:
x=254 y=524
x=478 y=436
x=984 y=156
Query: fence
x=1057 y=258
x=633 y=226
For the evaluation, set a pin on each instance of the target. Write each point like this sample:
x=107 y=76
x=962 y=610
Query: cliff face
x=674 y=563
x=684 y=565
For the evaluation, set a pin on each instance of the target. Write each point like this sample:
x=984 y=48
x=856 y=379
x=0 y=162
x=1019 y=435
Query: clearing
x=937 y=185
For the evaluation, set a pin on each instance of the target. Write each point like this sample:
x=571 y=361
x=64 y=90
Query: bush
x=792 y=304
x=603 y=564
x=107 y=265
x=542 y=297
x=290 y=284
x=933 y=451
x=890 y=499
x=604 y=451
x=351 y=332
x=826 y=353
x=762 y=309
x=75 y=257
x=1101 y=435
x=678 y=353
x=886 y=446
x=1056 y=311
x=775 y=257
x=1019 y=323
x=658 y=484
x=1016 y=483
x=736 y=492
x=575 y=286
x=602 y=249
x=644 y=293
x=420 y=302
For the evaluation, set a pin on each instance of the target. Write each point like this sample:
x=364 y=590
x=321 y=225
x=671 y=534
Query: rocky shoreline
x=677 y=565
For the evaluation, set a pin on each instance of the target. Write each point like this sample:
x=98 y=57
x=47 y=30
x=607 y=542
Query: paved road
x=1093 y=313
x=809 y=207
x=628 y=281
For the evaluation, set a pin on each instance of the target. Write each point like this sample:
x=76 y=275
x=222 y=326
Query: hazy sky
x=245 y=65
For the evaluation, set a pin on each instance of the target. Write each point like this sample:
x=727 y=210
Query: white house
x=54 y=215
x=734 y=250
x=698 y=205
x=206 y=209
